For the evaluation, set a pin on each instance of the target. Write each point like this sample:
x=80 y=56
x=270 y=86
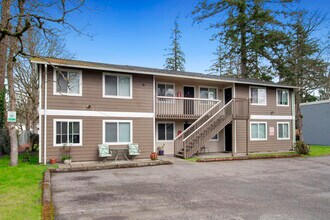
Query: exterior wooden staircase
x=191 y=140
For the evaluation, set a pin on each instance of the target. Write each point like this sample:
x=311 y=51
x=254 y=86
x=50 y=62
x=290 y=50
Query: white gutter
x=40 y=106
x=45 y=117
x=162 y=74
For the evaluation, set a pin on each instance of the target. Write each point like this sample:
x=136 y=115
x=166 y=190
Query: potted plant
x=52 y=161
x=153 y=156
x=66 y=154
x=66 y=159
x=161 y=150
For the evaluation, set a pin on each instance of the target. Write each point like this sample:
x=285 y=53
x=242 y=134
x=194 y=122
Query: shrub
x=34 y=140
x=301 y=148
x=4 y=142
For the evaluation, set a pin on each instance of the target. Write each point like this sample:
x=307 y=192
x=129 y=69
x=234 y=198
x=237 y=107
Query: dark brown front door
x=228 y=137
x=228 y=95
x=188 y=107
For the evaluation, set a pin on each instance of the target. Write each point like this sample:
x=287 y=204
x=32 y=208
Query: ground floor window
x=117 y=132
x=165 y=131
x=215 y=137
x=67 y=132
x=283 y=131
x=258 y=131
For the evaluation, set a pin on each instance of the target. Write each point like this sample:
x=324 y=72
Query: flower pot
x=153 y=156
x=67 y=161
x=161 y=152
x=52 y=161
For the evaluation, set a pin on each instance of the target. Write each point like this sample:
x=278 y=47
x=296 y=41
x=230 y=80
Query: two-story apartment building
x=83 y=104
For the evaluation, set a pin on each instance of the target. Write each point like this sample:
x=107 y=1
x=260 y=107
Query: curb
x=245 y=158
x=47 y=206
x=112 y=166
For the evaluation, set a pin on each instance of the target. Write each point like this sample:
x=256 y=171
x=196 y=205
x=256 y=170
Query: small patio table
x=123 y=151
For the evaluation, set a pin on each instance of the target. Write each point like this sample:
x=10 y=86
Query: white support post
x=39 y=109
x=45 y=118
x=154 y=110
x=293 y=106
x=235 y=130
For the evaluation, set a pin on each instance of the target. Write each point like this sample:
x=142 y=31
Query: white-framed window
x=165 y=131
x=165 y=89
x=117 y=85
x=207 y=92
x=258 y=95
x=67 y=82
x=258 y=131
x=282 y=97
x=117 y=132
x=215 y=137
x=67 y=132
x=283 y=130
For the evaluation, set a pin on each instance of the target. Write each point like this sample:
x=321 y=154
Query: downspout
x=154 y=110
x=293 y=107
x=45 y=117
x=40 y=106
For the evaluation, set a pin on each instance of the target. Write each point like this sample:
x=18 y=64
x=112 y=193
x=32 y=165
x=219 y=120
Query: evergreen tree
x=175 y=58
x=247 y=31
x=304 y=64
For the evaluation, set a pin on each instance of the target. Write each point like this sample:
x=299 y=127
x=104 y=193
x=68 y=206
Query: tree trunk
x=243 y=51
x=5 y=14
x=12 y=103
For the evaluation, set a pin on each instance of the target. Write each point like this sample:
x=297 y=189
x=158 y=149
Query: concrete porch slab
x=100 y=165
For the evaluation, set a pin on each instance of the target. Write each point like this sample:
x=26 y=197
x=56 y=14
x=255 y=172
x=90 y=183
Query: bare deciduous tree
x=17 y=18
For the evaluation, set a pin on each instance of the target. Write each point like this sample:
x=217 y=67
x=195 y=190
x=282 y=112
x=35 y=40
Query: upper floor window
x=207 y=93
x=282 y=97
x=67 y=132
x=68 y=82
x=117 y=86
x=165 y=89
x=258 y=96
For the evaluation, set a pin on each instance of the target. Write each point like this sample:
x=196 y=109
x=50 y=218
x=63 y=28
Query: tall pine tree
x=247 y=31
x=175 y=57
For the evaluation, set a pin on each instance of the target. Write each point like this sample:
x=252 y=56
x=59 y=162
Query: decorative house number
x=271 y=131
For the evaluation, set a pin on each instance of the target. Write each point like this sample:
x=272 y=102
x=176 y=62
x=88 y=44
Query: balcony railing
x=182 y=108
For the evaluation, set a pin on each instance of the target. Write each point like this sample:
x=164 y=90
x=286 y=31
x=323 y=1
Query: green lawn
x=20 y=189
x=317 y=150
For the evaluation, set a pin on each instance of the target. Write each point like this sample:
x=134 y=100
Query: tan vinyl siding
x=271 y=144
x=212 y=145
x=180 y=83
x=92 y=136
x=142 y=95
x=242 y=91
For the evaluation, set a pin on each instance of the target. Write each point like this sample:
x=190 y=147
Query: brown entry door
x=228 y=138
x=188 y=107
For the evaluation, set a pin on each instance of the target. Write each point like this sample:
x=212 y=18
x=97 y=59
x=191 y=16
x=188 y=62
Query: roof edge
x=162 y=74
x=315 y=102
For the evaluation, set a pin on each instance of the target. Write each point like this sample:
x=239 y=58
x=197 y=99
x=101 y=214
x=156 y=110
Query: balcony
x=182 y=108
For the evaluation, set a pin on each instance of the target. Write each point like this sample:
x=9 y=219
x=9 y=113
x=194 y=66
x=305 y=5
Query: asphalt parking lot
x=255 y=189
